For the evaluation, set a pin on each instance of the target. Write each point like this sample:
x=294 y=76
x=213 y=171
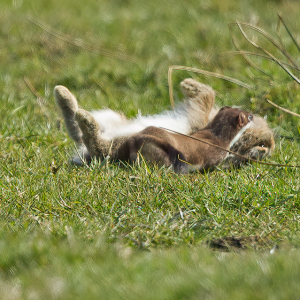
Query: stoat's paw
x=65 y=99
x=193 y=89
x=259 y=152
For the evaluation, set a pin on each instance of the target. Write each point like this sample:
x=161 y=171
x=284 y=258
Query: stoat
x=164 y=148
x=192 y=115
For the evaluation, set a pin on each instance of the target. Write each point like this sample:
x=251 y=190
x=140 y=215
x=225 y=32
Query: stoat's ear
x=242 y=120
x=224 y=107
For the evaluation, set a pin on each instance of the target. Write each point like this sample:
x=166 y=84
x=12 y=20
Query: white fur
x=240 y=133
x=115 y=125
x=78 y=158
x=107 y=118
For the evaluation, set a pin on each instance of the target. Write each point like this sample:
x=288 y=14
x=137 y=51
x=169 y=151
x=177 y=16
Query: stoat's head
x=235 y=116
x=230 y=123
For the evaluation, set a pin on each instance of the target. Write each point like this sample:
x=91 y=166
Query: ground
x=132 y=232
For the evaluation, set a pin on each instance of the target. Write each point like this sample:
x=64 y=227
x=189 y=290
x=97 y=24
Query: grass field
x=139 y=232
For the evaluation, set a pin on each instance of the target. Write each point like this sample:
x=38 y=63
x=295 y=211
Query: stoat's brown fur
x=196 y=112
x=165 y=148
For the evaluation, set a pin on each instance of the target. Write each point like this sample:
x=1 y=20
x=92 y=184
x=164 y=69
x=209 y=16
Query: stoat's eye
x=250 y=118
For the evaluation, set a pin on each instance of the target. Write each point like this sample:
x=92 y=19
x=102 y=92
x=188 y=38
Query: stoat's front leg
x=200 y=99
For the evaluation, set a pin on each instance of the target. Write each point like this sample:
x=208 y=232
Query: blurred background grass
x=152 y=36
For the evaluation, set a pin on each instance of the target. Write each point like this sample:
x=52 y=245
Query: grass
x=127 y=232
x=68 y=268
